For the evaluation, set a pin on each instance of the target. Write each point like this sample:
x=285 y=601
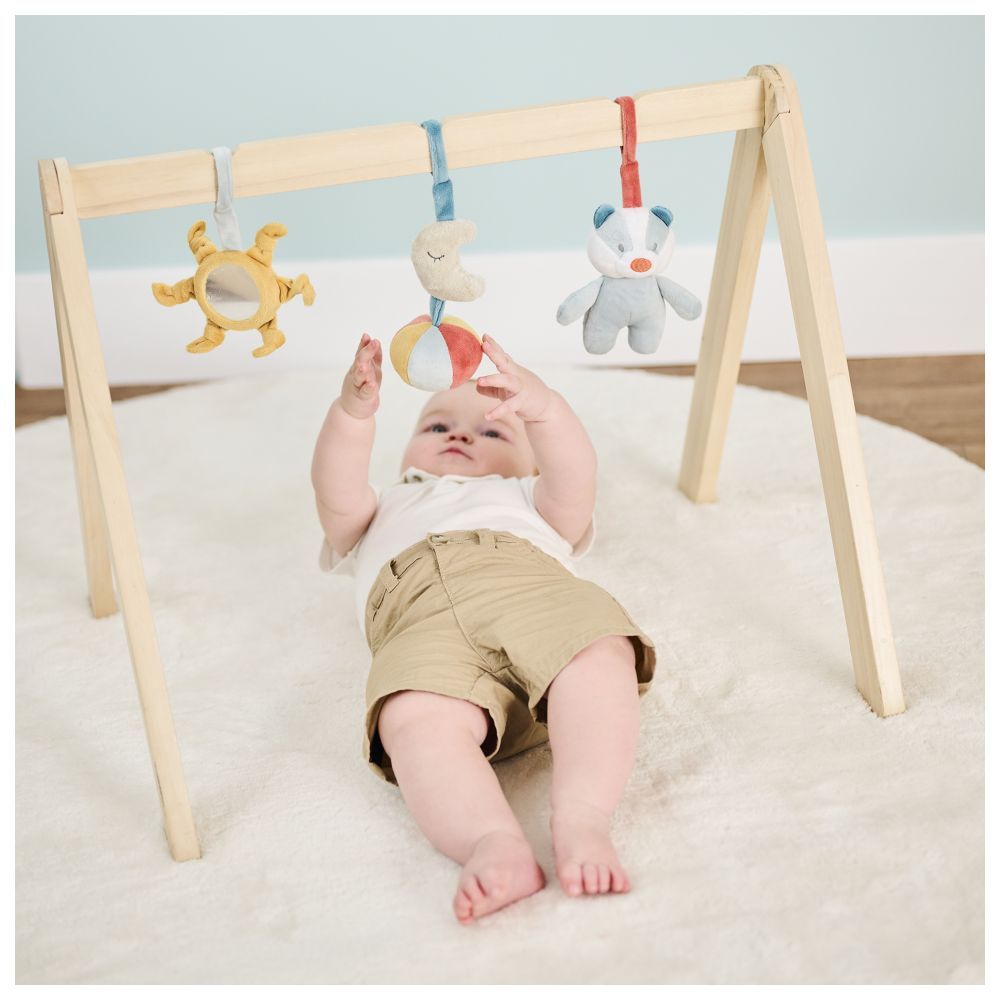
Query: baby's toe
x=475 y=889
x=468 y=898
x=619 y=880
x=493 y=881
x=590 y=881
x=603 y=878
x=462 y=906
x=570 y=879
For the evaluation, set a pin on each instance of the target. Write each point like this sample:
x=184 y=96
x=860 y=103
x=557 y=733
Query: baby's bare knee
x=607 y=649
x=616 y=647
x=590 y=664
x=422 y=713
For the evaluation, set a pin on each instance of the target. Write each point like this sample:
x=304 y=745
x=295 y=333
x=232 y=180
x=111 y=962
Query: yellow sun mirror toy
x=236 y=289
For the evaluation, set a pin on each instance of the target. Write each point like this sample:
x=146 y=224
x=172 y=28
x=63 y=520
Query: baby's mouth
x=457 y=451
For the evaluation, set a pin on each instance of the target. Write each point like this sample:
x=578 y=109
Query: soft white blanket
x=775 y=830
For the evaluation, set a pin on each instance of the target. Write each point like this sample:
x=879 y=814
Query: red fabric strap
x=631 y=194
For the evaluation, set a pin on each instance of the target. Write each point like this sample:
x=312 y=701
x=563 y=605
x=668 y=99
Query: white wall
x=897 y=296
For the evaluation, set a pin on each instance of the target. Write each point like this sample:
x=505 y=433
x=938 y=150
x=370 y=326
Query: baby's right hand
x=359 y=395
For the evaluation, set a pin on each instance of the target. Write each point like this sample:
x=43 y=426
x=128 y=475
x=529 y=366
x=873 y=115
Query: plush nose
x=640 y=264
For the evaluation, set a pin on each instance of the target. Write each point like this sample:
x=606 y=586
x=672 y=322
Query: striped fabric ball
x=436 y=357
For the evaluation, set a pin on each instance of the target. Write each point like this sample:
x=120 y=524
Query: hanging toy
x=236 y=289
x=630 y=246
x=435 y=351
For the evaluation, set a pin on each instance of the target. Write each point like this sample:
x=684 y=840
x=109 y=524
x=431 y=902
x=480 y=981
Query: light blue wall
x=894 y=108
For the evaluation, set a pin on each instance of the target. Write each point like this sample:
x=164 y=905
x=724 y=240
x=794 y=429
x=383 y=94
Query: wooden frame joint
x=48 y=179
x=776 y=98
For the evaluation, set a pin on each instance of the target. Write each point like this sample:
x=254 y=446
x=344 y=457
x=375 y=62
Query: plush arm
x=684 y=303
x=566 y=490
x=578 y=303
x=345 y=500
x=173 y=295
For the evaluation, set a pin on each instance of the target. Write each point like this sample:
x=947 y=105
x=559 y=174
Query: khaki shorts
x=487 y=617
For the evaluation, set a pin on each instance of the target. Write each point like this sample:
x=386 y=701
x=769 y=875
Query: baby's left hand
x=522 y=391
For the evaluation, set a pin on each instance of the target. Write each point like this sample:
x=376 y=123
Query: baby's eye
x=494 y=433
x=434 y=427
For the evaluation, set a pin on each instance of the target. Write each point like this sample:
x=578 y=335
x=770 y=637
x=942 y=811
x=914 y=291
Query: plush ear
x=664 y=214
x=601 y=215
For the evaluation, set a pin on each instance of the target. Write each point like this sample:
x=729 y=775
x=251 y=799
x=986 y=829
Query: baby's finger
x=360 y=372
x=497 y=349
x=363 y=362
x=509 y=405
x=502 y=380
x=496 y=353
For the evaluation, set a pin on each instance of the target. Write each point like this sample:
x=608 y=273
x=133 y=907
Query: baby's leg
x=435 y=745
x=593 y=721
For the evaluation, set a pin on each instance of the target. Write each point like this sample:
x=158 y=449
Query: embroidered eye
x=621 y=248
x=656 y=246
x=432 y=257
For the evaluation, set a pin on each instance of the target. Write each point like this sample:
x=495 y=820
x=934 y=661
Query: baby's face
x=453 y=437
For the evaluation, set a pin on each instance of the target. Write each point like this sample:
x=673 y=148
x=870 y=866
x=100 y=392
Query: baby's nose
x=462 y=435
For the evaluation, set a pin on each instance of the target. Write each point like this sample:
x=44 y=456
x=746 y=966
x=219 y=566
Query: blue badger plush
x=630 y=247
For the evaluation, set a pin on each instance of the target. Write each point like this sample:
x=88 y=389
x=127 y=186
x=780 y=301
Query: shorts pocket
x=375 y=600
x=377 y=612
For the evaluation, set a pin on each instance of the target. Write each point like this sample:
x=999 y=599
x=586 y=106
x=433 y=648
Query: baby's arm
x=345 y=501
x=566 y=490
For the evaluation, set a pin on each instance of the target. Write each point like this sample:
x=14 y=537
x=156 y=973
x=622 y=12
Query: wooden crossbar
x=770 y=158
x=271 y=166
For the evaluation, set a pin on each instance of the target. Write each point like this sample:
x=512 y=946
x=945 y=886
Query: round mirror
x=232 y=292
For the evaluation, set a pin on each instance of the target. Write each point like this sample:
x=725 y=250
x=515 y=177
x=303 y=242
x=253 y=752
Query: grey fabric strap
x=225 y=213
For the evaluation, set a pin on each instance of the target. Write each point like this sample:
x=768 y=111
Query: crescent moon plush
x=435 y=258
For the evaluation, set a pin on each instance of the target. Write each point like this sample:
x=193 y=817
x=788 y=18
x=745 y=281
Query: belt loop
x=486 y=537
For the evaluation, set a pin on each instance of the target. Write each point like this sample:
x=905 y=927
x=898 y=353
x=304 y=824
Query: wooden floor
x=941 y=398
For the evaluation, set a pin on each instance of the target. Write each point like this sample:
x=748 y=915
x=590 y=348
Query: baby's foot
x=502 y=869
x=585 y=858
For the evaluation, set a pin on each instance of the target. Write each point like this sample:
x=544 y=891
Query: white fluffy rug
x=775 y=830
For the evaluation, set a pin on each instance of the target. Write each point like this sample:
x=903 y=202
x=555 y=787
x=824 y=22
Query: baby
x=484 y=641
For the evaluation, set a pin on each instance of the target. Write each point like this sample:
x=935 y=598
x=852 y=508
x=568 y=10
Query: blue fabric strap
x=444 y=199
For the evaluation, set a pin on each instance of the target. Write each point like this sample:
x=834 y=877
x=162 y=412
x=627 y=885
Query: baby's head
x=453 y=437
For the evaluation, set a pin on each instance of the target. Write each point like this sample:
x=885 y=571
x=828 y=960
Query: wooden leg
x=828 y=387
x=737 y=254
x=97 y=556
x=95 y=403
